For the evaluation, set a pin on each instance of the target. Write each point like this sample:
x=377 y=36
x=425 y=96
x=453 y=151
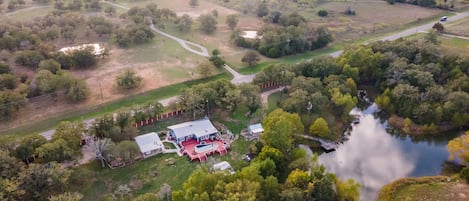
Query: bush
x=464 y=174
x=128 y=80
x=322 y=13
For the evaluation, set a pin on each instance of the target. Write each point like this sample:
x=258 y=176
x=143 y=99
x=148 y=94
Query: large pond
x=374 y=157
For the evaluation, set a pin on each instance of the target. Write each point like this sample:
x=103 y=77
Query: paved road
x=412 y=31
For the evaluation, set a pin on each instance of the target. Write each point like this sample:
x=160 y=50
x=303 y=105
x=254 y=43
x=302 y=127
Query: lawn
x=435 y=188
x=460 y=28
x=144 y=176
x=455 y=46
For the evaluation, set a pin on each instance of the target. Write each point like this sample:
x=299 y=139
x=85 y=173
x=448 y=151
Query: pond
x=374 y=157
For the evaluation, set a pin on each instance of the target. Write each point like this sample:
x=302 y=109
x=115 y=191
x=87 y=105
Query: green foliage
x=26 y=148
x=29 y=58
x=205 y=69
x=279 y=128
x=262 y=10
x=67 y=196
x=39 y=180
x=50 y=65
x=464 y=174
x=251 y=58
x=84 y=58
x=77 y=91
x=133 y=35
x=458 y=148
x=128 y=80
x=348 y=190
x=10 y=103
x=184 y=22
x=217 y=61
x=232 y=21
x=147 y=197
x=319 y=128
x=208 y=23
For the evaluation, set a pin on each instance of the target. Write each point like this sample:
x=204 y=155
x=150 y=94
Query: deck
x=327 y=145
x=188 y=148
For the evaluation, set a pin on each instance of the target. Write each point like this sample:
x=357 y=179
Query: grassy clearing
x=94 y=182
x=455 y=46
x=436 y=188
x=273 y=101
x=460 y=28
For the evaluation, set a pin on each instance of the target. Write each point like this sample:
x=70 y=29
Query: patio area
x=201 y=150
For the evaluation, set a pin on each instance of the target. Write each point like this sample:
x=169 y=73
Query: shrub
x=322 y=13
x=128 y=80
x=464 y=174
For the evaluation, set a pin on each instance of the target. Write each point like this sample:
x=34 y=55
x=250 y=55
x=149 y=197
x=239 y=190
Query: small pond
x=374 y=157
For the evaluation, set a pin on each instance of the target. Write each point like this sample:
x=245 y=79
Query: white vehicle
x=444 y=18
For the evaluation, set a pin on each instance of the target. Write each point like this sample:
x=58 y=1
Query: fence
x=159 y=118
x=270 y=85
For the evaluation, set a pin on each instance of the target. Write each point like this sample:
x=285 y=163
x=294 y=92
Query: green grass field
x=460 y=28
x=435 y=188
x=144 y=176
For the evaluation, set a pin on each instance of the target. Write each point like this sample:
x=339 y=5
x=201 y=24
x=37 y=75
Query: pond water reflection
x=374 y=157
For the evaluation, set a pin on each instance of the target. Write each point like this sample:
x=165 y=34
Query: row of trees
x=218 y=94
x=294 y=35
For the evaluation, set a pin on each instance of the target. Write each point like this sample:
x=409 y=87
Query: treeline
x=319 y=90
x=285 y=35
x=417 y=81
x=444 y=4
x=279 y=171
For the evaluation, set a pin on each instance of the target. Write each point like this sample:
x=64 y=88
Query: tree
x=279 y=128
x=67 y=196
x=322 y=13
x=250 y=96
x=127 y=151
x=251 y=58
x=77 y=91
x=25 y=150
x=205 y=69
x=50 y=65
x=84 y=58
x=57 y=150
x=458 y=148
x=9 y=166
x=103 y=149
x=72 y=134
x=128 y=80
x=164 y=194
x=10 y=103
x=193 y=3
x=29 y=58
x=217 y=61
x=208 y=24
x=147 y=197
x=262 y=10
x=438 y=27
x=232 y=21
x=319 y=128
x=110 y=10
x=184 y=22
x=432 y=37
x=348 y=190
x=42 y=180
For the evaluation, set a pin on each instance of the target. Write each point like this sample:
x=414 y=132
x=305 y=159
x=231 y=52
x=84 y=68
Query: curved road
x=238 y=78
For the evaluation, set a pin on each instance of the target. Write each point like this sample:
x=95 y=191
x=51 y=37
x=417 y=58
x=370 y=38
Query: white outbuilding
x=149 y=144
